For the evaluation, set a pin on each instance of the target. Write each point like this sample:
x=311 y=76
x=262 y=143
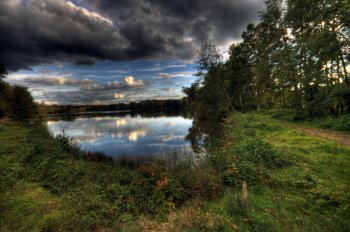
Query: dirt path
x=4 y=119
x=339 y=137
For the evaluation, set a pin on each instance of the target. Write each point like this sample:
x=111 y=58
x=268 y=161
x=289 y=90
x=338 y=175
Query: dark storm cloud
x=200 y=19
x=54 y=30
x=85 y=61
x=85 y=84
x=44 y=31
x=56 y=81
x=104 y=95
x=69 y=90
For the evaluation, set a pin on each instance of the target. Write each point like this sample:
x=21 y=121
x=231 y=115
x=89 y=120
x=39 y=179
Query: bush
x=68 y=145
x=202 y=181
x=4 y=106
x=258 y=152
x=251 y=158
x=341 y=123
x=18 y=103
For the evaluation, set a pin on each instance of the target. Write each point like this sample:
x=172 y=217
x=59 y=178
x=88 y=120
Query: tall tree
x=22 y=106
x=3 y=72
x=239 y=77
x=297 y=57
x=208 y=95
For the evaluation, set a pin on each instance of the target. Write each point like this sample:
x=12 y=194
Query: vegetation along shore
x=271 y=123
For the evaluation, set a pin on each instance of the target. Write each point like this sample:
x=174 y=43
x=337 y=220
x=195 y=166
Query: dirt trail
x=339 y=137
x=4 y=119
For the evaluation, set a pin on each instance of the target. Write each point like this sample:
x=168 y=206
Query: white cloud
x=160 y=68
x=177 y=74
x=119 y=96
x=225 y=48
x=165 y=75
x=134 y=135
x=120 y=122
x=52 y=81
x=90 y=14
x=132 y=82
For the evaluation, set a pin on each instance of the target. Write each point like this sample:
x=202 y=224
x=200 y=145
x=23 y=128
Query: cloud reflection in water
x=124 y=136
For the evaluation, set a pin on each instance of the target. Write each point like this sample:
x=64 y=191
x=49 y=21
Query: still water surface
x=128 y=135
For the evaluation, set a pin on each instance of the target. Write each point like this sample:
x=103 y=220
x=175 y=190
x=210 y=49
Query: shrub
x=95 y=156
x=341 y=123
x=251 y=158
x=21 y=102
x=202 y=181
x=68 y=145
x=259 y=152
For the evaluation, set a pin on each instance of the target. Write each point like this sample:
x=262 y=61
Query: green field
x=310 y=192
x=295 y=182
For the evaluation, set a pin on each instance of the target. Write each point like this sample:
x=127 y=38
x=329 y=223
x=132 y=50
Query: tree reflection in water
x=204 y=134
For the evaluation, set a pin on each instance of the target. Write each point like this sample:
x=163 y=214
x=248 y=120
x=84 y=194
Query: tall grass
x=295 y=183
x=338 y=123
x=95 y=191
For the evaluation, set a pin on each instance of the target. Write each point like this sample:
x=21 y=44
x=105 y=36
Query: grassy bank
x=339 y=123
x=309 y=191
x=45 y=185
x=295 y=183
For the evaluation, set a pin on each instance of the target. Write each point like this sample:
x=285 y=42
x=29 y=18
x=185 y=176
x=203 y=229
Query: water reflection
x=126 y=135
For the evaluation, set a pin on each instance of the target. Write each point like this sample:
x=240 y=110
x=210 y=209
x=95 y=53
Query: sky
x=112 y=51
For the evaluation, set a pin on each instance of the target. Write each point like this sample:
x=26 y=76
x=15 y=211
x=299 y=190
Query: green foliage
x=68 y=145
x=208 y=97
x=21 y=103
x=92 y=195
x=339 y=123
x=296 y=57
x=3 y=72
x=150 y=107
x=251 y=158
x=295 y=182
x=15 y=101
x=4 y=107
x=202 y=181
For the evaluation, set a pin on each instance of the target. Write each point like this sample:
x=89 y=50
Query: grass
x=308 y=193
x=48 y=184
x=29 y=207
x=337 y=123
x=295 y=183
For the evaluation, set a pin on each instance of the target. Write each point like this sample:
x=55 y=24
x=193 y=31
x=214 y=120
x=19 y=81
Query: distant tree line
x=16 y=102
x=296 y=57
x=142 y=106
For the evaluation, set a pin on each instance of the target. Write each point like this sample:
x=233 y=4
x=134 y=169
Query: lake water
x=125 y=136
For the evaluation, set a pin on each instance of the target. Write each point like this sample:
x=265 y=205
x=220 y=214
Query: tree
x=3 y=72
x=297 y=56
x=208 y=57
x=21 y=103
x=208 y=96
x=239 y=77
x=3 y=86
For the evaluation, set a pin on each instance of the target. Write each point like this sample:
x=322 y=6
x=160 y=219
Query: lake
x=127 y=135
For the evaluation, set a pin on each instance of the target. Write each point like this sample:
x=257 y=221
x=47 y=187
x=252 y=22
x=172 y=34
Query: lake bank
x=296 y=182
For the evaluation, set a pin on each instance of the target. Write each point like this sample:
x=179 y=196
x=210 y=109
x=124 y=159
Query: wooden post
x=244 y=194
